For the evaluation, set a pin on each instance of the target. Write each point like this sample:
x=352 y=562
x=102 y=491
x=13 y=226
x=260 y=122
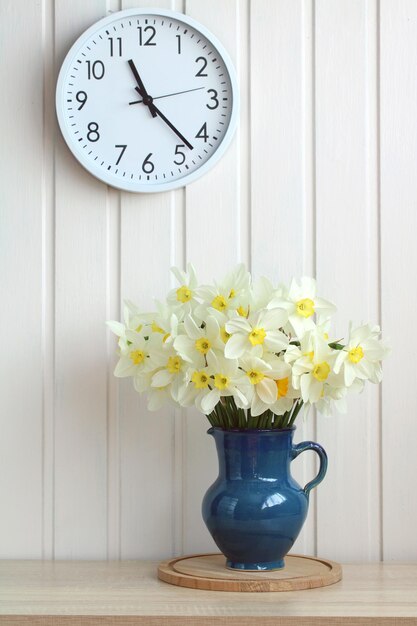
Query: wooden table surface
x=128 y=593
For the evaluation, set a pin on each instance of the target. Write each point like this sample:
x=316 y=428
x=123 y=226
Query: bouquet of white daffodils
x=246 y=354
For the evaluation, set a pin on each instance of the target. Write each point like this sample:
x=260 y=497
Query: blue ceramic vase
x=255 y=509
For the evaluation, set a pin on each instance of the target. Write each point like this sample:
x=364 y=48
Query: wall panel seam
x=379 y=262
x=48 y=278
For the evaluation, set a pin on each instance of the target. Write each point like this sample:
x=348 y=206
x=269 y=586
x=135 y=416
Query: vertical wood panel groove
x=178 y=259
x=243 y=215
x=48 y=278
x=379 y=262
x=309 y=227
x=372 y=164
x=113 y=312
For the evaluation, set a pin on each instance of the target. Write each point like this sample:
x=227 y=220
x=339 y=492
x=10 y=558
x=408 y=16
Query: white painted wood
x=85 y=470
x=276 y=138
x=146 y=439
x=80 y=335
x=348 y=525
x=21 y=207
x=212 y=244
x=398 y=89
x=281 y=170
x=212 y=201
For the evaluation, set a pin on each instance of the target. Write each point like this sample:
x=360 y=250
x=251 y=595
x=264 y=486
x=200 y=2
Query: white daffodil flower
x=224 y=379
x=184 y=296
x=311 y=372
x=301 y=303
x=258 y=382
x=134 y=358
x=226 y=295
x=286 y=394
x=361 y=357
x=163 y=321
x=334 y=398
x=260 y=329
x=168 y=370
x=194 y=345
x=195 y=387
x=133 y=320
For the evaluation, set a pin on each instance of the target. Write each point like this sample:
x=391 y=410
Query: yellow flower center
x=255 y=376
x=282 y=387
x=242 y=311
x=137 y=356
x=184 y=294
x=156 y=328
x=257 y=336
x=165 y=337
x=139 y=328
x=200 y=379
x=232 y=294
x=309 y=354
x=219 y=303
x=174 y=364
x=305 y=307
x=221 y=381
x=202 y=345
x=321 y=371
x=224 y=334
x=356 y=354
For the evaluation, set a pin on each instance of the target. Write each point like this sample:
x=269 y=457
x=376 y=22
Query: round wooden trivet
x=208 y=571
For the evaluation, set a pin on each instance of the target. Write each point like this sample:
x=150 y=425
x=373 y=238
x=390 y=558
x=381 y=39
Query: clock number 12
x=149 y=41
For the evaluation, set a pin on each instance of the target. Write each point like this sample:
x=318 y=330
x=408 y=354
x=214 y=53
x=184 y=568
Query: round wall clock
x=147 y=100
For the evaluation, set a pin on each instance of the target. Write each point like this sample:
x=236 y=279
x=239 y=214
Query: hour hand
x=147 y=99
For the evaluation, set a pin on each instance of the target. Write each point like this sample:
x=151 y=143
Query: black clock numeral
x=179 y=43
x=202 y=133
x=180 y=153
x=123 y=147
x=147 y=165
x=93 y=134
x=113 y=47
x=214 y=98
x=81 y=97
x=148 y=41
x=95 y=70
x=200 y=72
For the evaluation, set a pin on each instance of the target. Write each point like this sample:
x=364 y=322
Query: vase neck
x=263 y=455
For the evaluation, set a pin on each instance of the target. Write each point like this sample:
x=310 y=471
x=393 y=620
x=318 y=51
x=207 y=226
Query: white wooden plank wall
x=320 y=180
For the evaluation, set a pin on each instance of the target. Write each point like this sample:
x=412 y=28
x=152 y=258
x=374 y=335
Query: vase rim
x=243 y=431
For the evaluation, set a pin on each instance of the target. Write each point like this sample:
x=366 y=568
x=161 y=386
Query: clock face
x=147 y=100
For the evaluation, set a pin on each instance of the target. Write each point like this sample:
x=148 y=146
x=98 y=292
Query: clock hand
x=169 y=94
x=147 y=99
x=154 y=110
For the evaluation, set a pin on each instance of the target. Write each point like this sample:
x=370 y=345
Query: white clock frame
x=133 y=185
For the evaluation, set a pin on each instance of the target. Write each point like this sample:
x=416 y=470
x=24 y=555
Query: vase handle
x=311 y=445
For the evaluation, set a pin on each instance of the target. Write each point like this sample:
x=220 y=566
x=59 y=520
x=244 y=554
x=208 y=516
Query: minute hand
x=176 y=131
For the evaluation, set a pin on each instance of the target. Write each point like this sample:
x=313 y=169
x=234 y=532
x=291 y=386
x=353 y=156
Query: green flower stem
x=296 y=410
x=228 y=416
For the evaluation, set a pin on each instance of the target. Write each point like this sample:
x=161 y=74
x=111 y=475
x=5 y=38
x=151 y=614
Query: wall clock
x=147 y=100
